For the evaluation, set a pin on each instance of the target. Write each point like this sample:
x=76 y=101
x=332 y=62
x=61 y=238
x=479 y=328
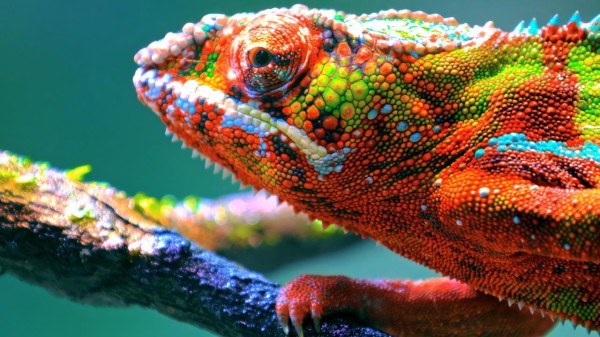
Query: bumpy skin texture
x=470 y=150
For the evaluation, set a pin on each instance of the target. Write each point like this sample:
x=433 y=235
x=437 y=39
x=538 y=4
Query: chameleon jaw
x=152 y=87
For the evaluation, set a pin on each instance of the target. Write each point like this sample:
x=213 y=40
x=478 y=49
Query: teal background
x=66 y=97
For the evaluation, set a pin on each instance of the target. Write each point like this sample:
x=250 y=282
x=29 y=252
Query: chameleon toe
x=283 y=317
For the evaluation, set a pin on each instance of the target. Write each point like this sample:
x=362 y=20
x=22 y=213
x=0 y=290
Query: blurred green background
x=66 y=97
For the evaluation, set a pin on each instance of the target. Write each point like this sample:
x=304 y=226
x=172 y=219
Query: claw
x=307 y=295
x=283 y=317
x=298 y=326
x=284 y=325
x=317 y=322
x=316 y=316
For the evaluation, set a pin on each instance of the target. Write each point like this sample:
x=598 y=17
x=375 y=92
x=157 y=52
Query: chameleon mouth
x=154 y=87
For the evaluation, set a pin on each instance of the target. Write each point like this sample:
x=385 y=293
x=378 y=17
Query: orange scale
x=251 y=139
x=415 y=109
x=331 y=148
x=391 y=78
x=226 y=132
x=241 y=151
x=320 y=103
x=414 y=182
x=386 y=68
x=330 y=123
x=403 y=67
x=307 y=126
x=315 y=72
x=363 y=55
x=312 y=112
x=209 y=125
x=285 y=157
x=370 y=68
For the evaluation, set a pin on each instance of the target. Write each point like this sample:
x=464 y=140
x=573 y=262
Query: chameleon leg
x=528 y=202
x=435 y=307
x=531 y=220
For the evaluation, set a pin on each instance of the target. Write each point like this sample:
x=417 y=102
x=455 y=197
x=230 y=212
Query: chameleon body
x=471 y=150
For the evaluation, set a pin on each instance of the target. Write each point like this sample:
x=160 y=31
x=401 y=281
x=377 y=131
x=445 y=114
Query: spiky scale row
x=533 y=29
x=468 y=149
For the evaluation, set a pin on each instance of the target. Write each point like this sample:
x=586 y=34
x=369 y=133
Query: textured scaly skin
x=470 y=150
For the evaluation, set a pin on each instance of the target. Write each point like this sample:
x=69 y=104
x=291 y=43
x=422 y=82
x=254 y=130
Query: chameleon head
x=219 y=85
x=308 y=104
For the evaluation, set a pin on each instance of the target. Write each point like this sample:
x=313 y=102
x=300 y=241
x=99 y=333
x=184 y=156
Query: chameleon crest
x=471 y=150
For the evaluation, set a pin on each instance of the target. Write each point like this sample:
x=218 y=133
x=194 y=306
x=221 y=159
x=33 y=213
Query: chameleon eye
x=270 y=52
x=260 y=57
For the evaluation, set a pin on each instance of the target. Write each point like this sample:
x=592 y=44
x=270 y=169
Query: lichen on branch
x=90 y=242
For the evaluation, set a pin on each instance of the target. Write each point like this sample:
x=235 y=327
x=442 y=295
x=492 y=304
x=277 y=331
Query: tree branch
x=89 y=243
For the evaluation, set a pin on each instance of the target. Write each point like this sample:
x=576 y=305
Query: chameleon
x=470 y=150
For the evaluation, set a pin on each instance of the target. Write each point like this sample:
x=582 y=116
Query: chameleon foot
x=301 y=297
x=435 y=307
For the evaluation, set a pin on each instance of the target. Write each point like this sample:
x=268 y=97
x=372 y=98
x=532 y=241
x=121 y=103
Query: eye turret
x=270 y=52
